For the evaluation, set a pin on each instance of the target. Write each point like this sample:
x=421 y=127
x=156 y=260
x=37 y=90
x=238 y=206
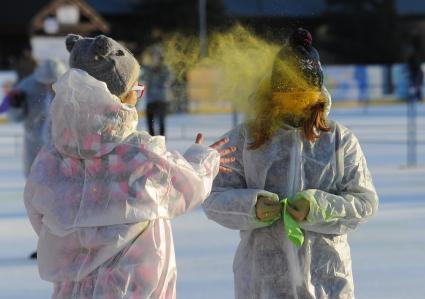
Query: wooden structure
x=88 y=20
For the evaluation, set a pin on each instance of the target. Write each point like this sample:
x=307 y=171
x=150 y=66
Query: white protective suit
x=332 y=174
x=101 y=197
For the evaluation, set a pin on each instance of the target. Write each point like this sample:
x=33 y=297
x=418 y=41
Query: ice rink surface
x=388 y=252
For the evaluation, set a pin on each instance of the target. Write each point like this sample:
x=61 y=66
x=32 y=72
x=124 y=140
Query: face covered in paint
x=296 y=82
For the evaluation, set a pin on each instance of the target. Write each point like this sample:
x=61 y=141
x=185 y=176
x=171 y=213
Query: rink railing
x=11 y=144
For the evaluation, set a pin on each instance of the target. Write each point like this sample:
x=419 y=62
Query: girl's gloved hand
x=224 y=153
x=299 y=209
x=267 y=209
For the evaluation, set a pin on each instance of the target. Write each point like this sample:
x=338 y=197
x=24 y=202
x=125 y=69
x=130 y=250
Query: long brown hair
x=269 y=119
x=316 y=122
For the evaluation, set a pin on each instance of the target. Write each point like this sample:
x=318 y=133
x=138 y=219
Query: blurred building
x=20 y=20
x=49 y=27
x=345 y=31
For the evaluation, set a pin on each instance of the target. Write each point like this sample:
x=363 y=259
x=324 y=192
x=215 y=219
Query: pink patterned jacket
x=101 y=195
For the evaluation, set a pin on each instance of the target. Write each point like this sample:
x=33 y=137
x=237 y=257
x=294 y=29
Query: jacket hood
x=87 y=120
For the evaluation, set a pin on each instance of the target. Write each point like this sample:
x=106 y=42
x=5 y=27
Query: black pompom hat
x=300 y=57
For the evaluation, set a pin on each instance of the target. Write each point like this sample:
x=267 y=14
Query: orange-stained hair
x=316 y=122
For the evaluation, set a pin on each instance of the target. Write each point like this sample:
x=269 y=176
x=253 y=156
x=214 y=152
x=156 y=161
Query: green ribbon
x=292 y=228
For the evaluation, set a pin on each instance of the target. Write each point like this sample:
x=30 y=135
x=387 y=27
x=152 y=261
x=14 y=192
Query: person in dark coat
x=414 y=66
x=156 y=78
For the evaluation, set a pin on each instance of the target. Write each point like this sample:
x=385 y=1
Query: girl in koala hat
x=291 y=153
x=101 y=196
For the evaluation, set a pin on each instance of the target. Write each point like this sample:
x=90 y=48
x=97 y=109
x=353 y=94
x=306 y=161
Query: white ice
x=388 y=252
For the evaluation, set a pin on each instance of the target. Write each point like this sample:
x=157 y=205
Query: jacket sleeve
x=171 y=184
x=355 y=199
x=231 y=203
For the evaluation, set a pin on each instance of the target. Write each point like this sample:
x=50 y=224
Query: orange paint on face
x=295 y=103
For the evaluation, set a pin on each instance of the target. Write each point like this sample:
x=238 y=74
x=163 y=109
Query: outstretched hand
x=224 y=153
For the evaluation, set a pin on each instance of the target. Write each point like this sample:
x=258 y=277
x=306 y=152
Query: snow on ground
x=388 y=252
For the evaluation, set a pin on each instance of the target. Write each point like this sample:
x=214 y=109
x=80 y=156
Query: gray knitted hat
x=104 y=59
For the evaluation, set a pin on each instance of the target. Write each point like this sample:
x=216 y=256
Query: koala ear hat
x=104 y=59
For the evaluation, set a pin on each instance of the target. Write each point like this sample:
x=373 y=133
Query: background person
x=29 y=103
x=156 y=77
x=414 y=66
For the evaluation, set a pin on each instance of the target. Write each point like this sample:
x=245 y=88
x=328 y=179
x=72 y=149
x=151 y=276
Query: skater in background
x=29 y=103
x=101 y=196
x=157 y=79
x=292 y=150
x=414 y=66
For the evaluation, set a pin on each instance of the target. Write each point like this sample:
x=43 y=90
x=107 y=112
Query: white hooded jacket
x=101 y=196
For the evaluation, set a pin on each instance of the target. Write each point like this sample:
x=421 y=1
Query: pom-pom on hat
x=104 y=59
x=297 y=65
x=301 y=37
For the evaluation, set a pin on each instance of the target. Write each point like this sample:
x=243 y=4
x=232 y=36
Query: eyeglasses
x=139 y=89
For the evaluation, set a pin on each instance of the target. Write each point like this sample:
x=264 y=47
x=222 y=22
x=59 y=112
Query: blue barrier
x=367 y=82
